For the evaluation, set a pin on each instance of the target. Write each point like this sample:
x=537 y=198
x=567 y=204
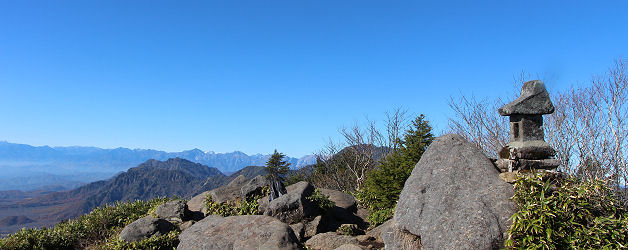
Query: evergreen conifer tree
x=383 y=185
x=276 y=169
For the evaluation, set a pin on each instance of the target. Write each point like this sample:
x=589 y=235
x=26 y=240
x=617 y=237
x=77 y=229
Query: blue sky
x=258 y=75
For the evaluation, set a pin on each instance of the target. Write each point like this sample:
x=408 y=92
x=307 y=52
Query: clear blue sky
x=258 y=75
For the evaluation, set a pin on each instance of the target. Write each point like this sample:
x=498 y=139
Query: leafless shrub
x=343 y=165
x=478 y=121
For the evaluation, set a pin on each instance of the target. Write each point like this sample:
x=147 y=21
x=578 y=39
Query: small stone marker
x=527 y=148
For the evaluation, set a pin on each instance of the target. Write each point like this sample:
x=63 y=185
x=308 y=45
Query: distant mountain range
x=25 y=167
x=149 y=180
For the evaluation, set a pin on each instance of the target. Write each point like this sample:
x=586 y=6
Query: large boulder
x=329 y=241
x=349 y=247
x=254 y=186
x=337 y=216
x=314 y=227
x=341 y=199
x=292 y=207
x=197 y=203
x=238 y=232
x=175 y=211
x=144 y=228
x=453 y=199
x=299 y=230
x=230 y=192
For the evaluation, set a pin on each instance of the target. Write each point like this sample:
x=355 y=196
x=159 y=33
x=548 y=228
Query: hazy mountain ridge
x=27 y=167
x=148 y=180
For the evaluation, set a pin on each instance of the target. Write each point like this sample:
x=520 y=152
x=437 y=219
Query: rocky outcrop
x=292 y=207
x=299 y=230
x=238 y=232
x=186 y=225
x=174 y=211
x=254 y=186
x=197 y=203
x=369 y=242
x=338 y=216
x=230 y=192
x=341 y=199
x=314 y=227
x=349 y=247
x=452 y=200
x=144 y=228
x=329 y=241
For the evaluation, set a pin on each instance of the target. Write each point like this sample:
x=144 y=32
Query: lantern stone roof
x=534 y=100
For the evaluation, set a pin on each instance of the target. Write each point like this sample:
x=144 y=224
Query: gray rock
x=377 y=232
x=341 y=199
x=186 y=225
x=299 y=230
x=294 y=188
x=175 y=211
x=534 y=100
x=365 y=238
x=337 y=216
x=363 y=213
x=369 y=242
x=349 y=247
x=537 y=149
x=254 y=186
x=230 y=192
x=453 y=199
x=197 y=203
x=304 y=188
x=537 y=164
x=314 y=227
x=534 y=152
x=509 y=177
x=238 y=232
x=144 y=228
x=329 y=241
x=292 y=207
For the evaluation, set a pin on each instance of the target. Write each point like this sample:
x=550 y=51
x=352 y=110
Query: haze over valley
x=24 y=167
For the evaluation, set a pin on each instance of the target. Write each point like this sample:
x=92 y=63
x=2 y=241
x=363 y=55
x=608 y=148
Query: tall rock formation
x=453 y=199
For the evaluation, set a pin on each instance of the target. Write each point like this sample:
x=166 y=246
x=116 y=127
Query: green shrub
x=378 y=217
x=383 y=186
x=248 y=206
x=163 y=242
x=348 y=229
x=322 y=201
x=218 y=208
x=98 y=225
x=566 y=213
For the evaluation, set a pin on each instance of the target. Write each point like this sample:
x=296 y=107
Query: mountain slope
x=148 y=180
x=251 y=171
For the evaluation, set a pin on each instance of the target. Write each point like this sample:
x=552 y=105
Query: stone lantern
x=527 y=148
